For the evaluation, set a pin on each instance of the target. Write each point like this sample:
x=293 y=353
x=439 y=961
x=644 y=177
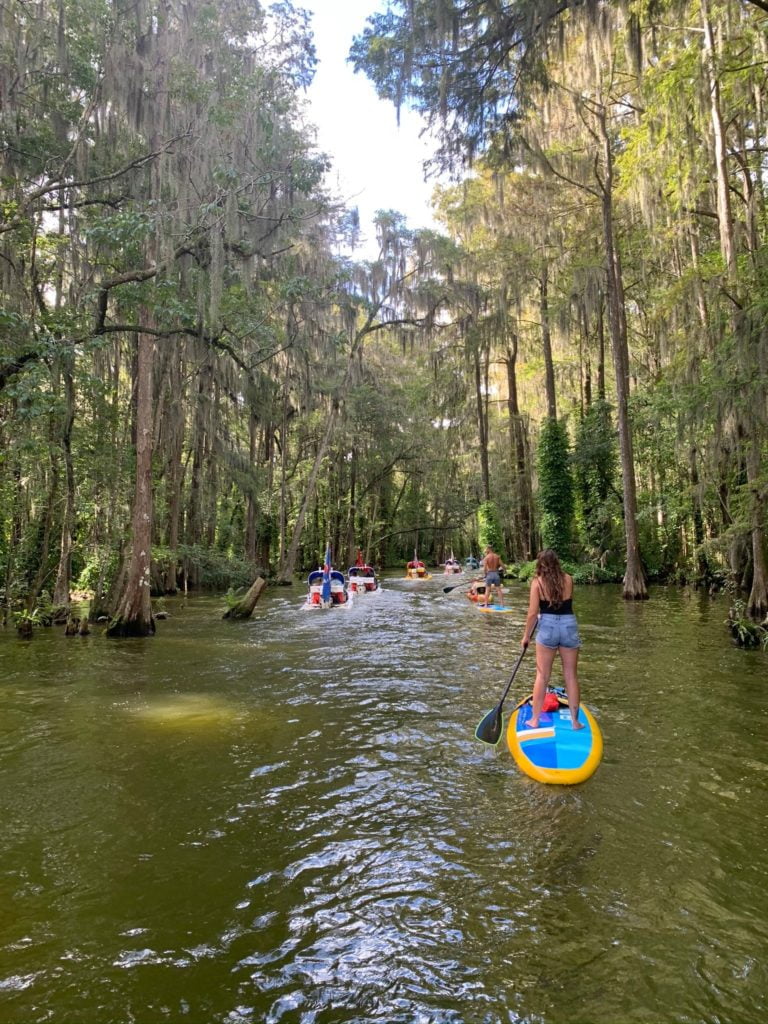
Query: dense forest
x=200 y=382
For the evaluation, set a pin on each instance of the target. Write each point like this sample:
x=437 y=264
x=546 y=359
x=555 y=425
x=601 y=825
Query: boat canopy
x=361 y=570
x=316 y=576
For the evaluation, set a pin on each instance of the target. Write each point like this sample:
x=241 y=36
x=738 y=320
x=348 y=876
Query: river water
x=289 y=820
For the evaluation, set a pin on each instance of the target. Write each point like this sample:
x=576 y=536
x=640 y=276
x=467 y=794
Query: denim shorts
x=492 y=579
x=558 y=631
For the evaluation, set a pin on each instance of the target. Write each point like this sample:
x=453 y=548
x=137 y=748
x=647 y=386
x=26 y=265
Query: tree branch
x=10 y=369
x=54 y=184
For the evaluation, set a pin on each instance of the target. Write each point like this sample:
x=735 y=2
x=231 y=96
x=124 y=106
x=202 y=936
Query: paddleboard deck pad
x=555 y=752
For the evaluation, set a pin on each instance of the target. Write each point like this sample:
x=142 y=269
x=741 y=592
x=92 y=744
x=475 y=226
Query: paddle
x=464 y=583
x=489 y=729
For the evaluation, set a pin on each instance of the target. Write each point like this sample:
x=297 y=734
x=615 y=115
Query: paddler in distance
x=492 y=566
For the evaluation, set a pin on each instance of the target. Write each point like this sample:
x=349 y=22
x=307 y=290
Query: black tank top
x=566 y=608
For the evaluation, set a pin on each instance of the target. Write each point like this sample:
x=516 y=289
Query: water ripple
x=289 y=820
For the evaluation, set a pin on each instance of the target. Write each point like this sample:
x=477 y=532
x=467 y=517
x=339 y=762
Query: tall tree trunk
x=520 y=473
x=749 y=421
x=757 y=606
x=212 y=473
x=194 y=534
x=64 y=572
x=283 y=525
x=351 y=549
x=45 y=547
x=101 y=605
x=700 y=560
x=600 y=352
x=481 y=390
x=546 y=342
x=173 y=477
x=14 y=538
x=250 y=506
x=701 y=301
x=133 y=616
x=634 y=577
x=724 y=219
x=585 y=377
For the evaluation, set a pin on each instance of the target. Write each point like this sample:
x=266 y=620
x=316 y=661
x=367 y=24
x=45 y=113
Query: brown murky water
x=289 y=820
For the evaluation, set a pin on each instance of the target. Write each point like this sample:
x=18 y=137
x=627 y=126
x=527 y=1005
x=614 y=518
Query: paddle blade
x=455 y=586
x=489 y=729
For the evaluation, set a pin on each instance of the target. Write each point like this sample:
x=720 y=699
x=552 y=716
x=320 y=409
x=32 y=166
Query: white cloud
x=377 y=164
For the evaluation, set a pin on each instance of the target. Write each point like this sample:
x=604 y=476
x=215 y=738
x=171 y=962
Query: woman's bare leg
x=570 y=659
x=545 y=657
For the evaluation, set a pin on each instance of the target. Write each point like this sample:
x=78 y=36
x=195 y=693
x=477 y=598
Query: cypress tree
x=555 y=495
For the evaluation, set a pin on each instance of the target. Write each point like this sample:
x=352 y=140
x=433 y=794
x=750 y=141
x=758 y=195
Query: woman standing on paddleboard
x=551 y=603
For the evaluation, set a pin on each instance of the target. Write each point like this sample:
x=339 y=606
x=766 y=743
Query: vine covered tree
x=555 y=493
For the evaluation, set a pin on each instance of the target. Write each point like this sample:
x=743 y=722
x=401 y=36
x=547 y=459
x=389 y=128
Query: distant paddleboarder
x=492 y=566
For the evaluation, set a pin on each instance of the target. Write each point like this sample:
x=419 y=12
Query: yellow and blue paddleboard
x=555 y=752
x=493 y=608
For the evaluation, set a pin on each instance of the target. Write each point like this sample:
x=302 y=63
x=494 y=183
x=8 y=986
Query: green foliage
x=583 y=572
x=555 y=494
x=27 y=618
x=650 y=543
x=592 y=572
x=489 y=527
x=594 y=471
x=96 y=564
x=745 y=631
x=523 y=571
x=216 y=570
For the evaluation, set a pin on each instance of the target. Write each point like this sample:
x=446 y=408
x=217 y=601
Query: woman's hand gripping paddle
x=489 y=729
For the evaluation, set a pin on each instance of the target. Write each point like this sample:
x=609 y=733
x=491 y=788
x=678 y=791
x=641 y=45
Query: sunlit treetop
x=468 y=65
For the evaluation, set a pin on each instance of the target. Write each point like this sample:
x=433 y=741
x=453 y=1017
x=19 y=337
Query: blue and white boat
x=326 y=587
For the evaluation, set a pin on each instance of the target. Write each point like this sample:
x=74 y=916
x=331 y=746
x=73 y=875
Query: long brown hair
x=551 y=575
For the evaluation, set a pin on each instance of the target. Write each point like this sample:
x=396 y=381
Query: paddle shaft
x=489 y=729
x=464 y=583
x=512 y=677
